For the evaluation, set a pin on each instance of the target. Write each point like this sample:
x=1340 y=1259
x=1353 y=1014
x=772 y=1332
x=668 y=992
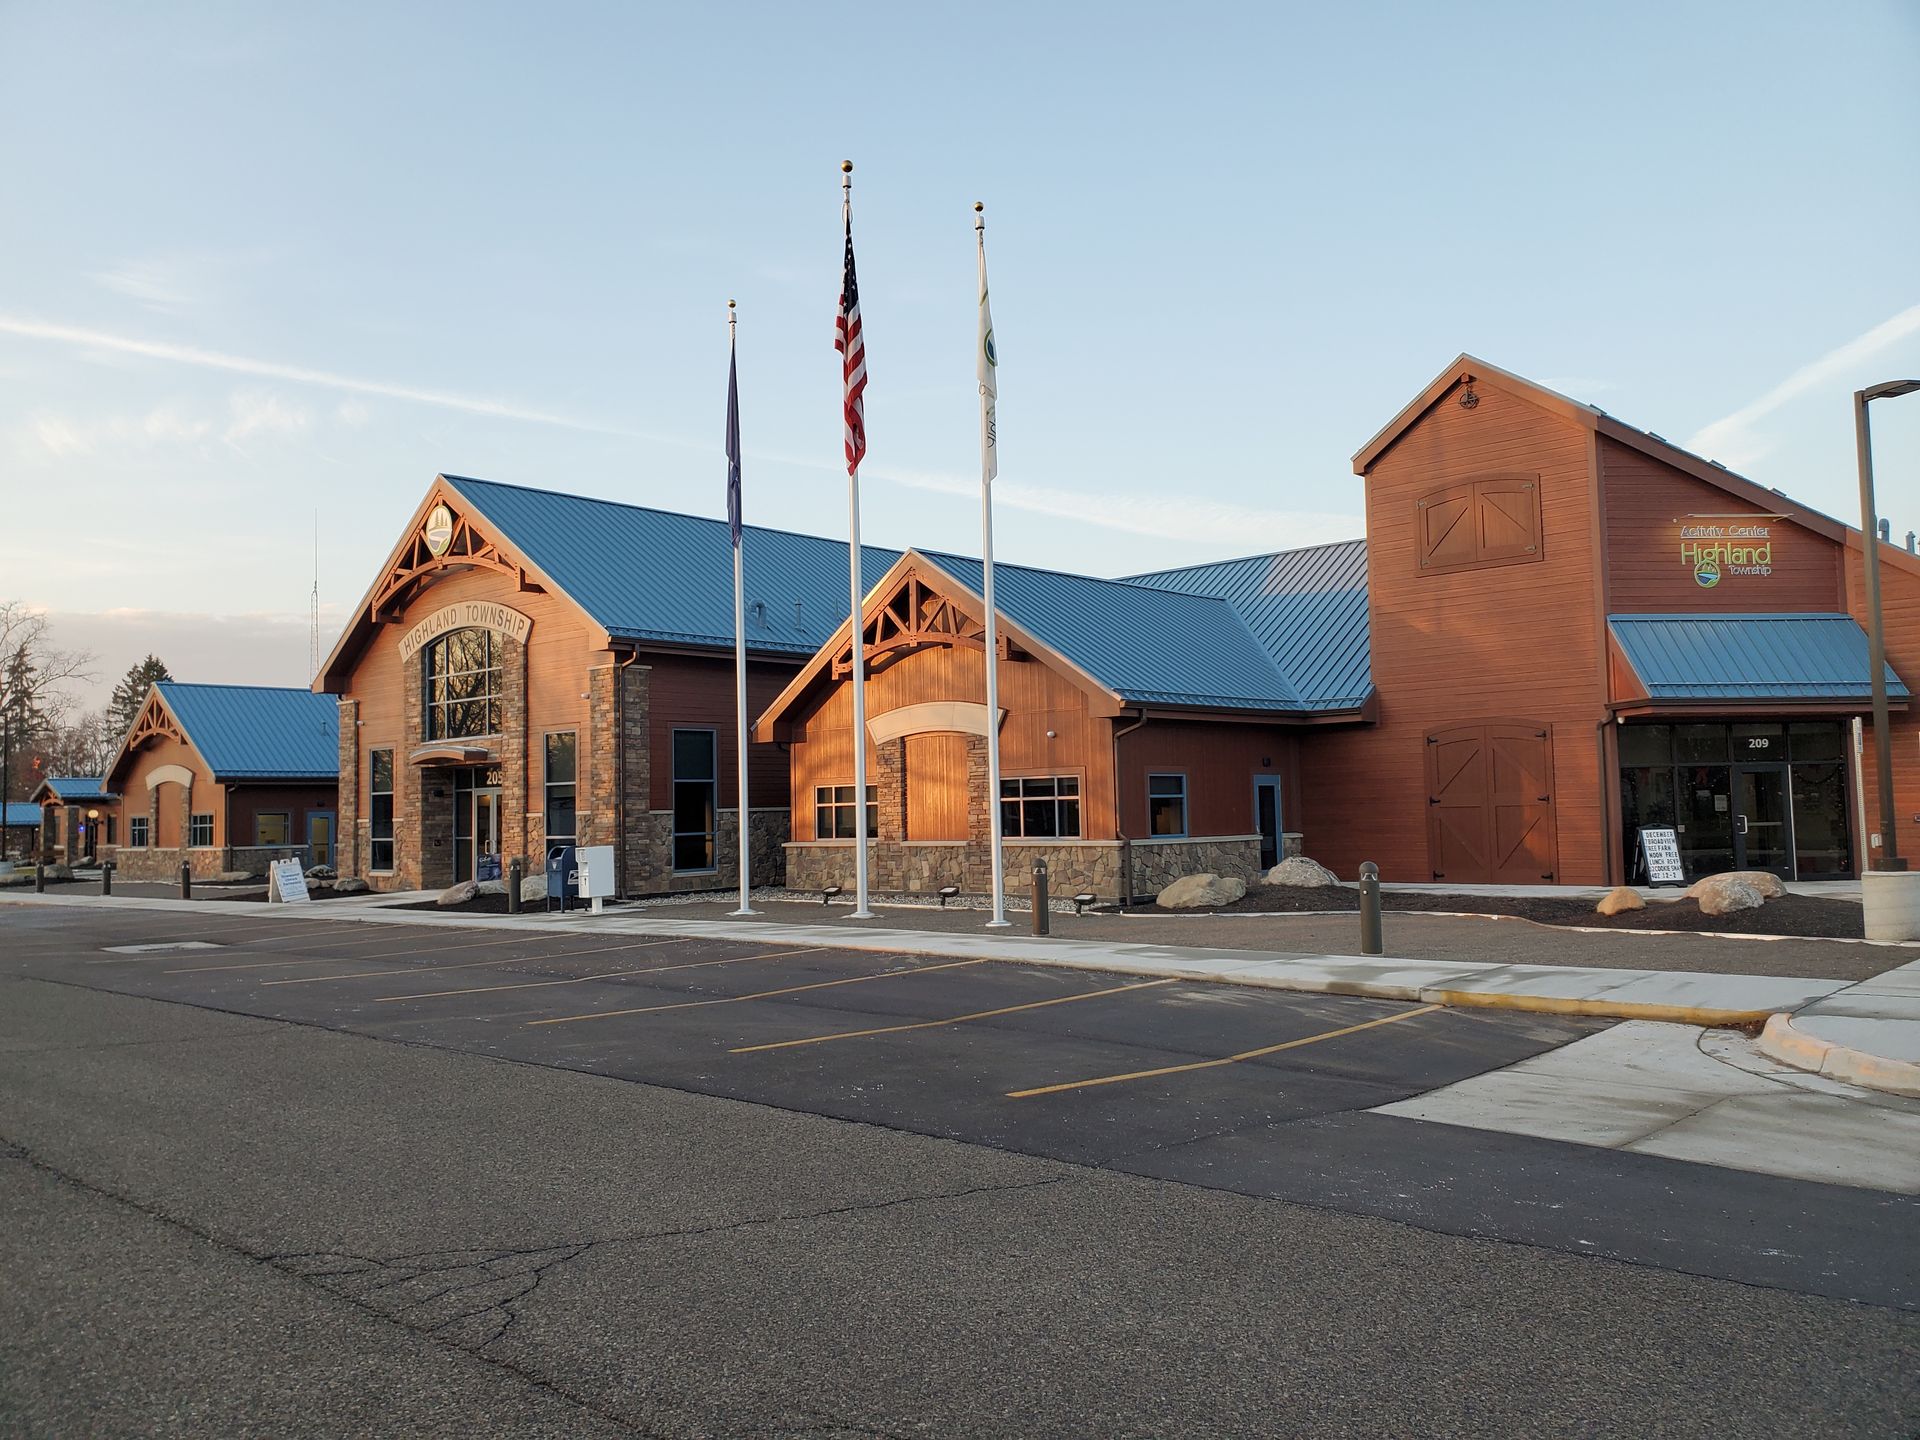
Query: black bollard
x=513 y=888
x=1042 y=912
x=1370 y=942
x=186 y=880
x=106 y=878
x=39 y=877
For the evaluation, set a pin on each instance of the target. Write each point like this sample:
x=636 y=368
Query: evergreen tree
x=131 y=693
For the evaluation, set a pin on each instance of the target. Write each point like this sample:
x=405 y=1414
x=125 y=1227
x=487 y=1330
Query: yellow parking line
x=1225 y=1059
x=609 y=975
x=950 y=1020
x=404 y=969
x=762 y=995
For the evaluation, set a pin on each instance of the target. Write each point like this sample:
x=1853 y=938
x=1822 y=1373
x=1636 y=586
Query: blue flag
x=733 y=448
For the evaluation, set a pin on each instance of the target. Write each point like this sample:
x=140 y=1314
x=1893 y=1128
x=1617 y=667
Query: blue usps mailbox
x=563 y=878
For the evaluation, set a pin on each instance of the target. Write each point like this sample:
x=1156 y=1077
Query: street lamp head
x=1889 y=388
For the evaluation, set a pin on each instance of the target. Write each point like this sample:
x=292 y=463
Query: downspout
x=1120 y=830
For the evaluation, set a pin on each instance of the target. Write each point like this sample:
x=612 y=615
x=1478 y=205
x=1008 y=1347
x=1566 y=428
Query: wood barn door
x=1490 y=804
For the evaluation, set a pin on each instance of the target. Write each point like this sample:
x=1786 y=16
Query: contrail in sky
x=1727 y=438
x=1176 y=517
x=301 y=375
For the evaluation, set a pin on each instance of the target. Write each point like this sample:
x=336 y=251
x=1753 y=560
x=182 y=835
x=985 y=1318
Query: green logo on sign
x=1706 y=574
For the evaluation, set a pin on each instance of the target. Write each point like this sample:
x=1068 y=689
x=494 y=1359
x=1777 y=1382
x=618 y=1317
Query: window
x=380 y=809
x=462 y=685
x=562 y=766
x=1494 y=521
x=833 y=817
x=110 y=829
x=273 y=827
x=1167 y=805
x=695 y=799
x=1040 y=807
x=137 y=832
x=200 y=831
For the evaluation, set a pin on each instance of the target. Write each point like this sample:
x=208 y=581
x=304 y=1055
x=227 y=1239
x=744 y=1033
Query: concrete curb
x=1782 y=1040
x=1702 y=999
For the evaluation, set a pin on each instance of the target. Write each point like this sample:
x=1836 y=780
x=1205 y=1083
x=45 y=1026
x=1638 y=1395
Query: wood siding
x=1501 y=642
x=1036 y=699
x=936 y=767
x=1220 y=760
x=696 y=692
x=1647 y=503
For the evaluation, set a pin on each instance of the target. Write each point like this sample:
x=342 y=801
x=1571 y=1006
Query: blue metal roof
x=73 y=787
x=1306 y=608
x=257 y=732
x=1152 y=647
x=20 y=813
x=1749 y=657
x=656 y=575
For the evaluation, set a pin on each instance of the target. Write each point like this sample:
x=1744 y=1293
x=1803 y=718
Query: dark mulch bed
x=489 y=905
x=1802 y=915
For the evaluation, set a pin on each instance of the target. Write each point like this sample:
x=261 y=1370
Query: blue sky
x=262 y=261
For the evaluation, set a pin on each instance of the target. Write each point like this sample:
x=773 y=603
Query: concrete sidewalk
x=1684 y=997
x=1866 y=1034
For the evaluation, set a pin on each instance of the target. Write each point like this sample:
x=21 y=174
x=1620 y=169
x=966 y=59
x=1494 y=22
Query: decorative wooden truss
x=913 y=617
x=155 y=722
x=417 y=565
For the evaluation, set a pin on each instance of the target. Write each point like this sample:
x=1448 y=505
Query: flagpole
x=857 y=630
x=745 y=838
x=989 y=466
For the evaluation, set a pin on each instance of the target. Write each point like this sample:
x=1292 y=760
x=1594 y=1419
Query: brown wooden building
x=531 y=669
x=79 y=821
x=1147 y=732
x=1577 y=629
x=225 y=778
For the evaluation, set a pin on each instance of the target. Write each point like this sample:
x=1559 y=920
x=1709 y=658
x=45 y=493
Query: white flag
x=987 y=361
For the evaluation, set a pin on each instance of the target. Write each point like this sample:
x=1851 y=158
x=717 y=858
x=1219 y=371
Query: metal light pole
x=1876 y=637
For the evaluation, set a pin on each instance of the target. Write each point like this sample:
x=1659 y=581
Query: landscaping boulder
x=1201 y=892
x=350 y=885
x=1299 y=870
x=1770 y=885
x=1724 y=894
x=1620 y=900
x=533 y=889
x=320 y=872
x=459 y=894
x=491 y=887
x=59 y=872
x=237 y=877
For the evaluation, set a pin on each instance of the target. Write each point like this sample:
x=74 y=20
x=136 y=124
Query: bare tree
x=34 y=676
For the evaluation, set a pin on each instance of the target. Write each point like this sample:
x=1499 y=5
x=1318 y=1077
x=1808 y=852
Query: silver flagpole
x=857 y=629
x=739 y=630
x=986 y=362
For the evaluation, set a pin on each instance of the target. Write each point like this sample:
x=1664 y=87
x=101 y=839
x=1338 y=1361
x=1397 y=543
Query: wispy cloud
x=1183 y=517
x=155 y=284
x=83 y=338
x=262 y=412
x=1733 y=440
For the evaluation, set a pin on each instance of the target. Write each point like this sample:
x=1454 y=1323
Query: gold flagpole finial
x=730 y=304
x=846 y=167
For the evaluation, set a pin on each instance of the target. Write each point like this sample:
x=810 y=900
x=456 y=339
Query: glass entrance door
x=320 y=837
x=1763 y=819
x=1266 y=818
x=486 y=835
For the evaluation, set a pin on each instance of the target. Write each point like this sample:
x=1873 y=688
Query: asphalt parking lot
x=1169 y=1210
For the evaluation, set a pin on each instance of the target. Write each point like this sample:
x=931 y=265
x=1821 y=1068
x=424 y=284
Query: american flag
x=733 y=449
x=853 y=348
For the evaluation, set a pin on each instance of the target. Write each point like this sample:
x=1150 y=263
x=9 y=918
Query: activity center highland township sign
x=1713 y=552
x=462 y=615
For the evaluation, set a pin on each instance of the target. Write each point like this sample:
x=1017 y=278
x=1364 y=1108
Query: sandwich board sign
x=1660 y=856
x=288 y=883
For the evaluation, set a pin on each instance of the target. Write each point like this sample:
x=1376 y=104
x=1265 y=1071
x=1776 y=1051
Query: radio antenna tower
x=313 y=606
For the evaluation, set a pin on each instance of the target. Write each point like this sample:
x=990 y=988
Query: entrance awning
x=452 y=753
x=1797 y=660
